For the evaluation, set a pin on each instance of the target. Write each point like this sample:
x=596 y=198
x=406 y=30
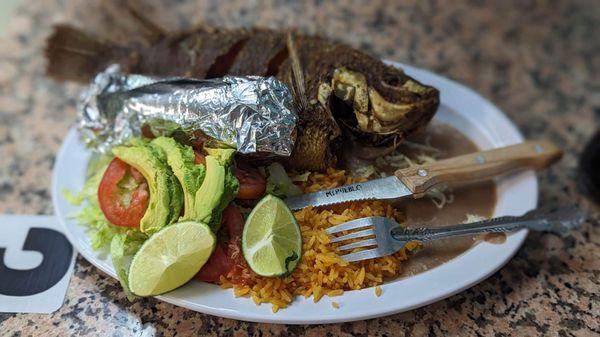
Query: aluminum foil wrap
x=252 y=113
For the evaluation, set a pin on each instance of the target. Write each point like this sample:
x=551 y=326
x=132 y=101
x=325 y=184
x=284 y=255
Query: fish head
x=379 y=106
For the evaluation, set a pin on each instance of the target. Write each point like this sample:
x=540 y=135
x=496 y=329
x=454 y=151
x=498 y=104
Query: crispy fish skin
x=336 y=88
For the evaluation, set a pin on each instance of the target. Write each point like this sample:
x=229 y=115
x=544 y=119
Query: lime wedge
x=271 y=242
x=170 y=258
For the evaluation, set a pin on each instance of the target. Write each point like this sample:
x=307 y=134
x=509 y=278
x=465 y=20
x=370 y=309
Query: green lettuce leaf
x=279 y=183
x=100 y=231
x=122 y=249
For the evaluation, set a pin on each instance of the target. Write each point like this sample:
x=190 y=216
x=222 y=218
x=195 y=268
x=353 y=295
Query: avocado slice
x=209 y=194
x=218 y=189
x=166 y=196
x=223 y=155
x=181 y=160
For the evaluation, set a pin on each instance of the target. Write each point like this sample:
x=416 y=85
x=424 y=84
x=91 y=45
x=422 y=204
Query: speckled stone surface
x=537 y=60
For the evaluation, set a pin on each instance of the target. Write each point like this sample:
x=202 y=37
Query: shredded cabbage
x=440 y=196
x=365 y=171
x=473 y=218
x=423 y=158
x=279 y=183
x=425 y=153
x=398 y=160
x=422 y=147
x=71 y=198
x=301 y=177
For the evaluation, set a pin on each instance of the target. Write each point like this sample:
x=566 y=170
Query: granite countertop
x=536 y=60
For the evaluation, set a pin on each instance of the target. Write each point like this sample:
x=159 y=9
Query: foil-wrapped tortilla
x=252 y=114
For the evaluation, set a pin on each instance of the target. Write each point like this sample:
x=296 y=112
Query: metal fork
x=390 y=237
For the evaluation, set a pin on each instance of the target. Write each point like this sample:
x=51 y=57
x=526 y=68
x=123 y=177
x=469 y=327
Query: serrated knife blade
x=378 y=189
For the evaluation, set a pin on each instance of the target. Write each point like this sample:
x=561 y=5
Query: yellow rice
x=321 y=271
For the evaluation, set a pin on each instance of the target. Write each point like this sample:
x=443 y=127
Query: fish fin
x=297 y=80
x=153 y=31
x=74 y=55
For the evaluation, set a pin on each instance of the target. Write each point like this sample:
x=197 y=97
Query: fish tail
x=74 y=55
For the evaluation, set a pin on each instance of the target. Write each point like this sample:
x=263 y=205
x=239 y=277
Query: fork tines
x=366 y=230
x=352 y=224
x=363 y=255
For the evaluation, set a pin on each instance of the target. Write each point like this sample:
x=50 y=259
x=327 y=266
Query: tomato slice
x=218 y=264
x=123 y=194
x=147 y=132
x=199 y=158
x=227 y=259
x=233 y=221
x=252 y=184
x=198 y=140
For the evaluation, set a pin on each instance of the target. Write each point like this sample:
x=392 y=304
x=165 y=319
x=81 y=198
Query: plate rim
x=517 y=238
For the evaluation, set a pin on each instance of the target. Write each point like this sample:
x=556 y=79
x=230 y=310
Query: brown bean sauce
x=477 y=199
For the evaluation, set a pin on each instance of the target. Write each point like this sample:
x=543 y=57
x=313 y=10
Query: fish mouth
x=377 y=117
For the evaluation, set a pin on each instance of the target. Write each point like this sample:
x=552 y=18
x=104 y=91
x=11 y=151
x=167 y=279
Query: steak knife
x=416 y=180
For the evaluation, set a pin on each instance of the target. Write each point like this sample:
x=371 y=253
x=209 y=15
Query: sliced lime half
x=271 y=242
x=170 y=258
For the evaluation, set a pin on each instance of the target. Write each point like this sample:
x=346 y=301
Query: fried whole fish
x=339 y=91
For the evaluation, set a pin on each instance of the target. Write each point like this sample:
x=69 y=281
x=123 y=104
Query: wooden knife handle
x=479 y=166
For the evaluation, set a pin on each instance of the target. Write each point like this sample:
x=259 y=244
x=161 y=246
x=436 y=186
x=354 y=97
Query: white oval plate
x=460 y=107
